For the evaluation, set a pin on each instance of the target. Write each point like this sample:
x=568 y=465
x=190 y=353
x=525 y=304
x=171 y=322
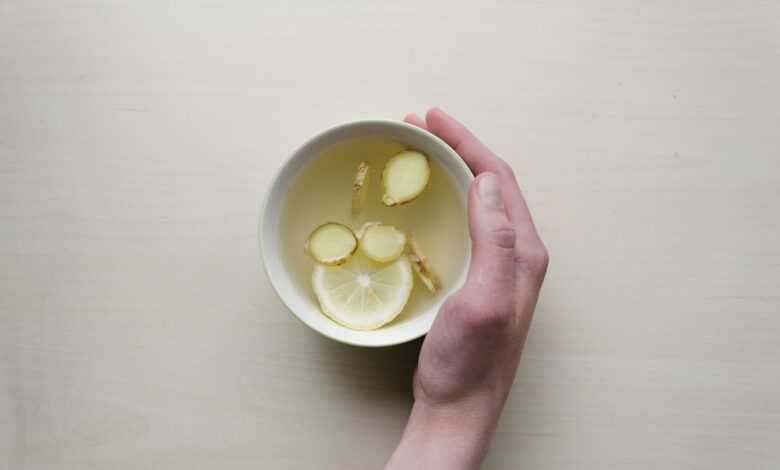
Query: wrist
x=453 y=436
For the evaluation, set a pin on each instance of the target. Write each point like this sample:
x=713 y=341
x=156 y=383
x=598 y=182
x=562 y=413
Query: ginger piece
x=421 y=265
x=405 y=177
x=382 y=243
x=360 y=188
x=331 y=244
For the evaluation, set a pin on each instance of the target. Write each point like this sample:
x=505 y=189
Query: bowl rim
x=459 y=162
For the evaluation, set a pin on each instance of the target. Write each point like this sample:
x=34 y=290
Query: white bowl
x=304 y=306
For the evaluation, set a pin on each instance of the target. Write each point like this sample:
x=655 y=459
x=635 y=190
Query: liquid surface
x=322 y=192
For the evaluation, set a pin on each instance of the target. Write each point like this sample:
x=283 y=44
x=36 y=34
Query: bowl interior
x=297 y=298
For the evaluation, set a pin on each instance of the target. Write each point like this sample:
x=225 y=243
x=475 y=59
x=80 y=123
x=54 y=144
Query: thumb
x=492 y=271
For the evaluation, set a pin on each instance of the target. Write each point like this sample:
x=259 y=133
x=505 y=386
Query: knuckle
x=534 y=260
x=488 y=319
x=505 y=168
x=480 y=316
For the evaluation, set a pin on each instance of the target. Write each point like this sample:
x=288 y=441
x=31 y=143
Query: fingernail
x=489 y=192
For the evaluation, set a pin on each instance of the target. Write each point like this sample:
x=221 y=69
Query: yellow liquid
x=322 y=192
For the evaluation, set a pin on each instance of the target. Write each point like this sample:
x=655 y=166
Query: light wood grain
x=137 y=329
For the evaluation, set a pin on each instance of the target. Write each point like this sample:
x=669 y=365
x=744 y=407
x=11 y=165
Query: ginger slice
x=331 y=244
x=421 y=265
x=360 y=188
x=362 y=230
x=405 y=176
x=382 y=243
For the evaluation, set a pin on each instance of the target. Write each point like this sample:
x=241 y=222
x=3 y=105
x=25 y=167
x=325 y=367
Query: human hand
x=468 y=359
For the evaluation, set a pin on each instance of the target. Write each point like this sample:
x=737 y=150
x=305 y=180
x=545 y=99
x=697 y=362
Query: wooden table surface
x=137 y=138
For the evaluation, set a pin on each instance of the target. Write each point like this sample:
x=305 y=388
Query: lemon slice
x=362 y=294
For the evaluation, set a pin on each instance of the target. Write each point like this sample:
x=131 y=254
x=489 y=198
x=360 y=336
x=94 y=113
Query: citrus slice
x=331 y=244
x=363 y=294
x=405 y=176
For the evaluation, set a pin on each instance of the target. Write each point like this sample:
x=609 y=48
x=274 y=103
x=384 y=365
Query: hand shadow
x=372 y=374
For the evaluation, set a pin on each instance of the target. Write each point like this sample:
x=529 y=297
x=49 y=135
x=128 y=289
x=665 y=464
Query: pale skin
x=469 y=358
